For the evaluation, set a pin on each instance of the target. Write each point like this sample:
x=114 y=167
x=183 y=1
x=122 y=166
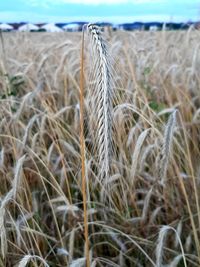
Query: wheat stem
x=82 y=144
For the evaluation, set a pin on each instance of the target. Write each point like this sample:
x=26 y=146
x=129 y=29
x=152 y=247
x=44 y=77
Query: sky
x=115 y=11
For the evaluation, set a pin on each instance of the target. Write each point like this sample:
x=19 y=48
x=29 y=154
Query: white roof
x=28 y=27
x=71 y=26
x=5 y=26
x=51 y=28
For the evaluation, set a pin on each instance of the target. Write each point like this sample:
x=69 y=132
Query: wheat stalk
x=161 y=245
x=136 y=153
x=27 y=258
x=167 y=146
x=102 y=94
x=82 y=148
x=18 y=175
x=3 y=235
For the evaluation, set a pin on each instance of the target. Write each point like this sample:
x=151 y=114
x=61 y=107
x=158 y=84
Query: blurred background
x=124 y=14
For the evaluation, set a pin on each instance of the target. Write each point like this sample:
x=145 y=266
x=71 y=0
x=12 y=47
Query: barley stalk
x=167 y=146
x=103 y=93
x=27 y=258
x=82 y=146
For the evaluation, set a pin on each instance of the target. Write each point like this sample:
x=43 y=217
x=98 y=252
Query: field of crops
x=142 y=153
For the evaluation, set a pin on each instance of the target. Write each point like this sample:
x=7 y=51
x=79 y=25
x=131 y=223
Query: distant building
x=6 y=27
x=51 y=27
x=153 y=26
x=29 y=27
x=72 y=27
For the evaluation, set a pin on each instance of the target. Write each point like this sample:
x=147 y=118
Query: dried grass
x=133 y=83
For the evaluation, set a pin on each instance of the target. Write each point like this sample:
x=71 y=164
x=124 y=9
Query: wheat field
x=142 y=206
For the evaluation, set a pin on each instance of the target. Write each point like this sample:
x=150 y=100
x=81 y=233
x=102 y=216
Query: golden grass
x=82 y=149
x=135 y=217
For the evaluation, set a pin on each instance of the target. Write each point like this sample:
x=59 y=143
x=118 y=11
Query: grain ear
x=102 y=94
x=167 y=147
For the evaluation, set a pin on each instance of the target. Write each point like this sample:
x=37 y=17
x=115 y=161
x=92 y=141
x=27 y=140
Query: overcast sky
x=98 y=10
